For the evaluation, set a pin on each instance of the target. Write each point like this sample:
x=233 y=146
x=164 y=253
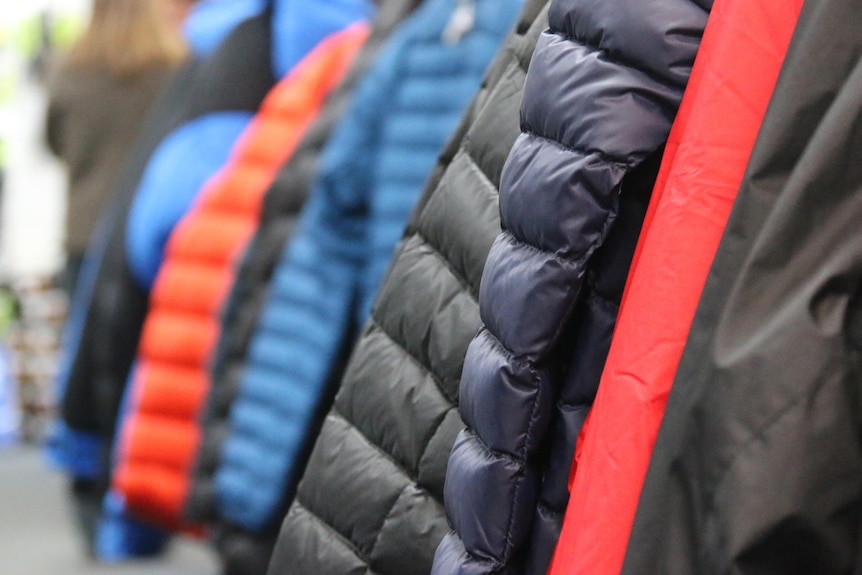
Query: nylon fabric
x=371 y=174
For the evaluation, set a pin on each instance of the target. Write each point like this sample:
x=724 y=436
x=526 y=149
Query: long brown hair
x=128 y=37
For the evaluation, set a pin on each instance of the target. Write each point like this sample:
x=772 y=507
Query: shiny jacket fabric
x=741 y=53
x=160 y=433
x=757 y=467
x=547 y=306
x=281 y=206
x=371 y=497
x=372 y=172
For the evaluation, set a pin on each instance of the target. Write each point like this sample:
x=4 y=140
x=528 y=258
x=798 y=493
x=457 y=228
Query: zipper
x=463 y=20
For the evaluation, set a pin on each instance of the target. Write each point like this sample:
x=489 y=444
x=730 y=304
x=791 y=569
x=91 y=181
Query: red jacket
x=160 y=436
x=708 y=148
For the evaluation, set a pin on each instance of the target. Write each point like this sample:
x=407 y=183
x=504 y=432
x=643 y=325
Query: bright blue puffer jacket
x=371 y=174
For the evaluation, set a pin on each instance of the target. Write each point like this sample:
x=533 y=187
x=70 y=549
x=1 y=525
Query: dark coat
x=243 y=551
x=572 y=201
x=757 y=468
x=742 y=50
x=371 y=497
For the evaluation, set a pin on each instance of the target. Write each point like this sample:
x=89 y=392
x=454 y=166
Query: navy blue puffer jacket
x=604 y=85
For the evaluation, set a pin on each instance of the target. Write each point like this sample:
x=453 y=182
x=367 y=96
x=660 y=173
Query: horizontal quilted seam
x=345 y=541
x=584 y=153
x=608 y=56
x=441 y=258
x=378 y=322
x=401 y=470
x=422 y=229
x=427 y=372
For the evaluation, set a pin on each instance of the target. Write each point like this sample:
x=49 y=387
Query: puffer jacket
x=371 y=498
x=100 y=337
x=371 y=174
x=702 y=168
x=757 y=468
x=281 y=206
x=160 y=434
x=553 y=278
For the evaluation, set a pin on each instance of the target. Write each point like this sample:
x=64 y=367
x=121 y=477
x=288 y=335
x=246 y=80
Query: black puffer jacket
x=371 y=496
x=603 y=89
x=757 y=468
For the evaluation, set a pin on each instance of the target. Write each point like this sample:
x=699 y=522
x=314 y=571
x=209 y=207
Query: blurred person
x=99 y=94
x=178 y=10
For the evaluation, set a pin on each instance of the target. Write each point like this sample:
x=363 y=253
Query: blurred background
x=37 y=534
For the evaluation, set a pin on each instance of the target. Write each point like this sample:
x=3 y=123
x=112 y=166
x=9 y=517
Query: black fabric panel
x=238 y=75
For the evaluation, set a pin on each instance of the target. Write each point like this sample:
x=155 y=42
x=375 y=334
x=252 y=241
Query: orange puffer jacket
x=160 y=435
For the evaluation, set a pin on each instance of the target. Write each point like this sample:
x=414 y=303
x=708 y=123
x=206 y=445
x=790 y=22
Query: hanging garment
x=160 y=434
x=572 y=198
x=732 y=80
x=757 y=467
x=281 y=205
x=372 y=171
x=371 y=496
x=102 y=332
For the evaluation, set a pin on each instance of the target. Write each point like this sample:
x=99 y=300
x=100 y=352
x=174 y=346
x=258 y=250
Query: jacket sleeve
x=583 y=131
